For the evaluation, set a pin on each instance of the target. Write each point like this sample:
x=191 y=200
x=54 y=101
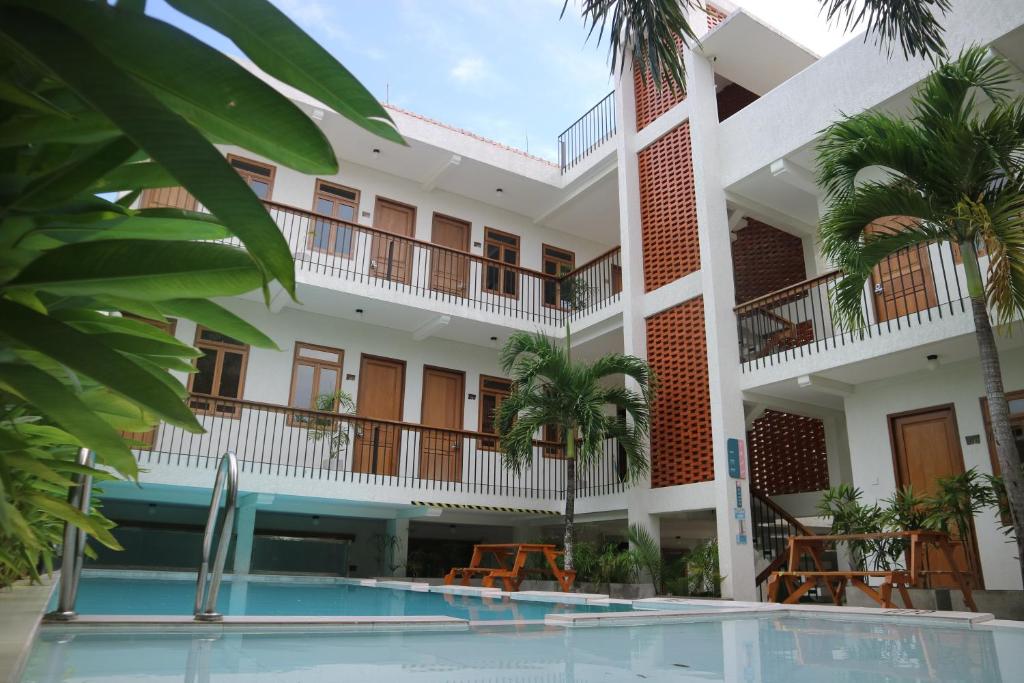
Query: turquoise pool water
x=763 y=650
x=124 y=595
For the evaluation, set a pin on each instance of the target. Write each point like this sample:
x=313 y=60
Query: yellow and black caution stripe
x=484 y=508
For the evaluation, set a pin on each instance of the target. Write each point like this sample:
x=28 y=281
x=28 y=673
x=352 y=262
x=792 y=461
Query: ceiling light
x=933 y=361
x=376 y=153
x=498 y=190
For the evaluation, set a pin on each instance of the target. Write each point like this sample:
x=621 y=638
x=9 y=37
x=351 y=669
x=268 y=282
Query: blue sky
x=506 y=69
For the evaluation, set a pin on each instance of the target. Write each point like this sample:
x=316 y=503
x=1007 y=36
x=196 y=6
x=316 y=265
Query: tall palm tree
x=650 y=31
x=954 y=173
x=548 y=388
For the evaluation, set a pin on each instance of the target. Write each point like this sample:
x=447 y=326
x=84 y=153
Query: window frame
x=220 y=348
x=336 y=222
x=485 y=443
x=500 y=263
x=558 y=305
x=317 y=364
x=247 y=174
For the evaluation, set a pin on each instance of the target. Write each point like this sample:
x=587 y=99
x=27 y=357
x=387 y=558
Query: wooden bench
x=836 y=581
x=511 y=570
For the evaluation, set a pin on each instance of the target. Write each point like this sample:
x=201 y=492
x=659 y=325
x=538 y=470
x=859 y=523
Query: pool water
x=123 y=595
x=764 y=650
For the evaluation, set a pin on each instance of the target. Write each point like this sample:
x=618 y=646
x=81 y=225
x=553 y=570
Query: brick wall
x=765 y=259
x=715 y=16
x=681 y=416
x=668 y=209
x=787 y=454
x=650 y=101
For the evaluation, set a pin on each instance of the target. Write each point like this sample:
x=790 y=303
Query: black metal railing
x=587 y=133
x=360 y=254
x=289 y=442
x=770 y=529
x=912 y=287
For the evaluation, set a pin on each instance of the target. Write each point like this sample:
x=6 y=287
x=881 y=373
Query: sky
x=509 y=70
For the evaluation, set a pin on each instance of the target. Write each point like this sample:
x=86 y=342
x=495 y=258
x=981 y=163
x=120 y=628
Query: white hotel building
x=692 y=222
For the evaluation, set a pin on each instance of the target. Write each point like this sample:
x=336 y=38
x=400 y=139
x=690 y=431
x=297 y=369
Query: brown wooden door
x=926 y=449
x=391 y=259
x=449 y=272
x=441 y=452
x=377 y=446
x=903 y=283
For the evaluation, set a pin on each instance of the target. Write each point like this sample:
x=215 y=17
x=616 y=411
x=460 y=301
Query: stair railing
x=208 y=582
x=772 y=526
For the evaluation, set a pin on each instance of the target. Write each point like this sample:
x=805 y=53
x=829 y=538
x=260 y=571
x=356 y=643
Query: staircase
x=771 y=525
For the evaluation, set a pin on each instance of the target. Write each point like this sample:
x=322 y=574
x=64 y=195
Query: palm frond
x=632 y=367
x=1003 y=237
x=652 y=32
x=912 y=24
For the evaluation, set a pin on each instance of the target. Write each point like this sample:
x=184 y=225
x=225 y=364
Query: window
x=220 y=373
x=316 y=377
x=340 y=203
x=557 y=262
x=503 y=247
x=552 y=435
x=493 y=392
x=260 y=177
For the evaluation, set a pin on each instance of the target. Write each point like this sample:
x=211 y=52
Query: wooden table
x=511 y=570
x=836 y=581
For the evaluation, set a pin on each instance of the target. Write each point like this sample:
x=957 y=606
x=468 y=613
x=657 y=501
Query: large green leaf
x=88 y=524
x=147 y=224
x=139 y=175
x=76 y=176
x=137 y=269
x=282 y=49
x=216 y=317
x=84 y=354
x=165 y=136
x=212 y=91
x=59 y=404
x=82 y=128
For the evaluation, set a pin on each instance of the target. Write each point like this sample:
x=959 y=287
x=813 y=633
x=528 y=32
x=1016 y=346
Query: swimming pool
x=767 y=649
x=133 y=593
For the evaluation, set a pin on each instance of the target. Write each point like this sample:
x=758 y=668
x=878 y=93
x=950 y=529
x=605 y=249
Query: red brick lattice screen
x=668 y=209
x=715 y=16
x=681 y=420
x=651 y=102
x=765 y=260
x=787 y=454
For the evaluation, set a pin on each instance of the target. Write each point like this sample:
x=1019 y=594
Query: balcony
x=587 y=133
x=365 y=256
x=915 y=287
x=348 y=449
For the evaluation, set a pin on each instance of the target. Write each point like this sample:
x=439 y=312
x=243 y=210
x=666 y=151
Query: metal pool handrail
x=224 y=486
x=74 y=541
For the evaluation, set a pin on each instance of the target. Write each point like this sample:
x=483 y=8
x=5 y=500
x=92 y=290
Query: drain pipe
x=74 y=541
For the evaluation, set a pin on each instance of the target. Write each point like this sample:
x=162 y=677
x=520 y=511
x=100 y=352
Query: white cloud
x=469 y=70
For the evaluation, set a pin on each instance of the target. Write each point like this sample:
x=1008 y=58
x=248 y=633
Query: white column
x=736 y=550
x=397 y=552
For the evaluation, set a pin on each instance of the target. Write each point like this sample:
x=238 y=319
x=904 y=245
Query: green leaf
x=15 y=94
x=35 y=467
x=82 y=128
x=165 y=136
x=119 y=413
x=146 y=224
x=216 y=317
x=135 y=269
x=76 y=176
x=282 y=49
x=82 y=353
x=143 y=309
x=62 y=510
x=58 y=403
x=139 y=175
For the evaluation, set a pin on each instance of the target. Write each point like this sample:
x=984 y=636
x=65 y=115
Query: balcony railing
x=912 y=287
x=587 y=133
x=361 y=254
x=289 y=442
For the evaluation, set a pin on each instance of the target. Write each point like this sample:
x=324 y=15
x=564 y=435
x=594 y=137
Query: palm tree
x=548 y=388
x=954 y=173
x=651 y=31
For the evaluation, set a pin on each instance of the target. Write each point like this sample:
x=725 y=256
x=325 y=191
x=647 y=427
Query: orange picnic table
x=798 y=581
x=511 y=570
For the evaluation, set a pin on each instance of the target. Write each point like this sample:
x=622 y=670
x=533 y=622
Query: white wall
x=871 y=453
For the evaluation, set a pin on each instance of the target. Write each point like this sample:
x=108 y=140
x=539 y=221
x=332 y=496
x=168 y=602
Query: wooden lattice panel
x=650 y=101
x=765 y=260
x=681 y=444
x=787 y=454
x=668 y=209
x=715 y=16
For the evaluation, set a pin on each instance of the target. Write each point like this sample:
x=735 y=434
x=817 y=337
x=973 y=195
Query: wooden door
x=390 y=258
x=449 y=272
x=926 y=448
x=441 y=452
x=903 y=283
x=377 y=446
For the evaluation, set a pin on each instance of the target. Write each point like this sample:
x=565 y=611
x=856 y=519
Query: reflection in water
x=764 y=650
